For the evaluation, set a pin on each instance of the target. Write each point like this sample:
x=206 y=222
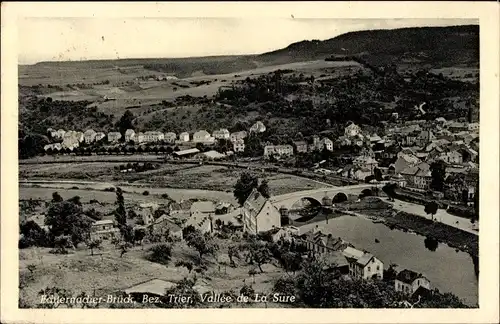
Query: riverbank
x=453 y=237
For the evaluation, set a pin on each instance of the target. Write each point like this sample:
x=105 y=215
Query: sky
x=63 y=39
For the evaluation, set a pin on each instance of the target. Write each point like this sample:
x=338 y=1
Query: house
x=326 y=143
x=425 y=137
x=452 y=157
x=259 y=214
x=352 y=130
x=60 y=133
x=239 y=145
x=103 y=230
x=200 y=216
x=222 y=133
x=154 y=288
x=343 y=141
x=184 y=137
x=170 y=137
x=153 y=136
x=129 y=135
x=163 y=224
x=408 y=282
x=203 y=136
x=278 y=150
x=286 y=233
x=71 y=140
x=318 y=240
x=336 y=262
x=457 y=127
x=300 y=146
x=473 y=126
x=363 y=265
x=51 y=132
x=114 y=137
x=139 y=138
x=364 y=161
x=404 y=161
x=360 y=173
x=186 y=153
x=258 y=127
x=146 y=212
x=418 y=177
x=99 y=136
x=206 y=208
x=237 y=136
x=89 y=136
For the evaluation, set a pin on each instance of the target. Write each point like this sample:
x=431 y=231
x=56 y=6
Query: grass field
x=106 y=273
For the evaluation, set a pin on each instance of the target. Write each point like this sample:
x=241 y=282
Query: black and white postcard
x=218 y=162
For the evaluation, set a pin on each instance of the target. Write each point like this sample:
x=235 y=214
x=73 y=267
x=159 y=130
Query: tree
x=120 y=212
x=186 y=264
x=94 y=244
x=202 y=243
x=31 y=268
x=438 y=174
x=291 y=261
x=61 y=243
x=125 y=122
x=264 y=189
x=185 y=288
x=390 y=190
x=66 y=218
x=124 y=248
x=139 y=234
x=259 y=254
x=431 y=208
x=252 y=272
x=244 y=186
x=378 y=174
x=56 y=197
x=161 y=253
x=32 y=235
x=366 y=193
x=75 y=200
x=431 y=243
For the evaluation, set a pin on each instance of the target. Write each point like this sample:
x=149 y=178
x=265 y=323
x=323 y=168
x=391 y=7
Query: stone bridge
x=288 y=200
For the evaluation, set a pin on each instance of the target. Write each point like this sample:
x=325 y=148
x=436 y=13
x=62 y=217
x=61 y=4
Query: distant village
x=410 y=147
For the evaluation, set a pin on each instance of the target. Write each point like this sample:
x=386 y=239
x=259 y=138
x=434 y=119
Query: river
x=447 y=269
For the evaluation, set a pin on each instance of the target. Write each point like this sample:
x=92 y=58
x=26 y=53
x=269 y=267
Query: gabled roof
x=255 y=201
x=351 y=252
x=363 y=261
x=408 y=276
x=203 y=207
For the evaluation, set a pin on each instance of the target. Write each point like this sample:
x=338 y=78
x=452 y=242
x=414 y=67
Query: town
x=331 y=181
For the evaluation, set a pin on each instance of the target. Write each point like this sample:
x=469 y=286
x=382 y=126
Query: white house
x=279 y=150
x=129 y=135
x=363 y=265
x=239 y=145
x=236 y=136
x=114 y=136
x=89 y=136
x=326 y=142
x=153 y=136
x=408 y=281
x=258 y=127
x=60 y=133
x=99 y=136
x=103 y=230
x=352 y=130
x=259 y=214
x=184 y=137
x=139 y=137
x=170 y=137
x=222 y=133
x=203 y=136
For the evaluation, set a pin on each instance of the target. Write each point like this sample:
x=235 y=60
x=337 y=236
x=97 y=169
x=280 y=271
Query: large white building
x=259 y=214
x=114 y=137
x=222 y=133
x=89 y=136
x=153 y=136
x=170 y=137
x=363 y=265
x=203 y=136
x=129 y=135
x=278 y=150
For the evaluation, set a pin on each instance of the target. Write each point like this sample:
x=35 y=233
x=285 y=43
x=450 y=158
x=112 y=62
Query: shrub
x=110 y=189
x=145 y=193
x=160 y=253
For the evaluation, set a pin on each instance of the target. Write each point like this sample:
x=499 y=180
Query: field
x=187 y=176
x=106 y=272
x=126 y=91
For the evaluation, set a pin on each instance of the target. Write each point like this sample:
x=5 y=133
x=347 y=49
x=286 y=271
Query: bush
x=160 y=253
x=145 y=193
x=110 y=189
